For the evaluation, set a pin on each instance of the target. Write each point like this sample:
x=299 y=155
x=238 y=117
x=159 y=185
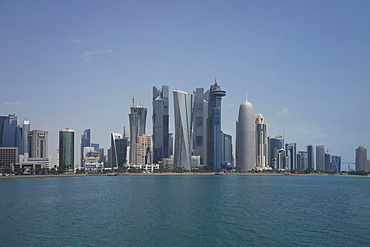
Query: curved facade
x=66 y=148
x=246 y=138
x=184 y=109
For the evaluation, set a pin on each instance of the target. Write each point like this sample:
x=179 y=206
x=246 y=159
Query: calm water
x=232 y=210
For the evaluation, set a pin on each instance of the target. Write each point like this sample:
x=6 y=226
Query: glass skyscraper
x=184 y=110
x=320 y=158
x=275 y=144
x=214 y=127
x=160 y=124
x=310 y=157
x=118 y=150
x=66 y=148
x=137 y=119
x=200 y=125
x=291 y=151
x=85 y=142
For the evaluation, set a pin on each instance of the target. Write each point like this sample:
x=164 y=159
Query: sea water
x=185 y=210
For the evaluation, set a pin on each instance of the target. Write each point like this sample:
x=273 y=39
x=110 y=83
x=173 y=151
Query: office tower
x=184 y=110
x=94 y=145
x=10 y=131
x=37 y=144
x=101 y=154
x=8 y=157
x=310 y=157
x=214 y=127
x=143 y=150
x=137 y=119
x=302 y=162
x=275 y=144
x=66 y=148
x=246 y=138
x=336 y=163
x=261 y=142
x=85 y=142
x=118 y=150
x=320 y=158
x=200 y=125
x=291 y=151
x=281 y=160
x=2 y=120
x=170 y=146
x=91 y=160
x=160 y=120
x=361 y=159
x=227 y=150
x=327 y=162
x=25 y=128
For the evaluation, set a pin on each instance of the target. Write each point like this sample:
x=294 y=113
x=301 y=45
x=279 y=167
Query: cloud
x=283 y=112
x=11 y=103
x=89 y=56
x=77 y=41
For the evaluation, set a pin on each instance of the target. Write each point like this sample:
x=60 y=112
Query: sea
x=185 y=210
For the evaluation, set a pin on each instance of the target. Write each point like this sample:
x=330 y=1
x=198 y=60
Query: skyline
x=77 y=65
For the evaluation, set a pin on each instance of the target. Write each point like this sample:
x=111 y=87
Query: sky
x=305 y=65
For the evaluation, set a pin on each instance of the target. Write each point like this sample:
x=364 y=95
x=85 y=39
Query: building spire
x=246 y=95
x=133 y=100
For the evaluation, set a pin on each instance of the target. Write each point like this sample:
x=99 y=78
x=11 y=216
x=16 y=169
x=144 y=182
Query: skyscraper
x=143 y=150
x=160 y=124
x=336 y=163
x=66 y=148
x=85 y=142
x=246 y=138
x=310 y=157
x=10 y=131
x=2 y=120
x=200 y=124
x=302 y=162
x=275 y=144
x=261 y=142
x=184 y=110
x=37 y=144
x=137 y=119
x=25 y=128
x=118 y=150
x=227 y=149
x=361 y=159
x=214 y=127
x=291 y=151
x=320 y=158
x=327 y=162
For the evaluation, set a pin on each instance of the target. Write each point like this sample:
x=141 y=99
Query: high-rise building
x=282 y=160
x=336 y=163
x=8 y=156
x=327 y=162
x=200 y=125
x=25 y=128
x=361 y=159
x=184 y=110
x=118 y=150
x=137 y=119
x=37 y=144
x=302 y=162
x=66 y=148
x=227 y=150
x=2 y=120
x=10 y=132
x=291 y=151
x=143 y=150
x=320 y=158
x=170 y=141
x=310 y=157
x=85 y=142
x=261 y=142
x=275 y=144
x=214 y=127
x=160 y=124
x=246 y=138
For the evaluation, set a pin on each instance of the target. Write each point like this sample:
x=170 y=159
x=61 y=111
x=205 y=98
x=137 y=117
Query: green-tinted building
x=118 y=150
x=66 y=148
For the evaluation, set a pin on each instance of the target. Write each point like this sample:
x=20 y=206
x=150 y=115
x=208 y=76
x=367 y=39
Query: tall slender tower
x=25 y=128
x=137 y=127
x=66 y=148
x=246 y=138
x=184 y=109
x=275 y=144
x=361 y=159
x=320 y=158
x=85 y=142
x=214 y=133
x=160 y=124
x=310 y=157
x=261 y=142
x=118 y=150
x=200 y=124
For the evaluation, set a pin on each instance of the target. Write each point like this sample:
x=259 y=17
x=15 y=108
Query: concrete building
x=246 y=138
x=160 y=120
x=137 y=119
x=66 y=149
x=200 y=125
x=143 y=148
x=214 y=133
x=8 y=157
x=261 y=143
x=38 y=144
x=361 y=159
x=184 y=112
x=320 y=158
x=302 y=161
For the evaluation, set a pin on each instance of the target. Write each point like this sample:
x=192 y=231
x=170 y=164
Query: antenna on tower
x=246 y=95
x=133 y=101
x=124 y=131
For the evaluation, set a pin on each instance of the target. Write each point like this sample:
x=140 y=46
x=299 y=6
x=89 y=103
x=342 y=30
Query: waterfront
x=233 y=210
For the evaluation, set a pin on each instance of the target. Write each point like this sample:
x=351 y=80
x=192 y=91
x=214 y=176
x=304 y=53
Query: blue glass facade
x=214 y=133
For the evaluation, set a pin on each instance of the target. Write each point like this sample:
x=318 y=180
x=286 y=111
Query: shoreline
x=176 y=174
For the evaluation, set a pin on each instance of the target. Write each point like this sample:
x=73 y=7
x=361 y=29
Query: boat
x=112 y=174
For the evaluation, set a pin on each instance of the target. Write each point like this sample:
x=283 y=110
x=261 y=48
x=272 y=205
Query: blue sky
x=76 y=64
